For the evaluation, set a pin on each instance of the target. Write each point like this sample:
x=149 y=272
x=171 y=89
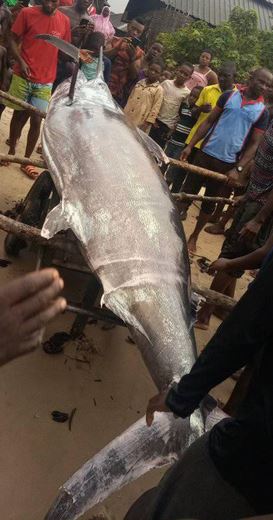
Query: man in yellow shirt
x=209 y=96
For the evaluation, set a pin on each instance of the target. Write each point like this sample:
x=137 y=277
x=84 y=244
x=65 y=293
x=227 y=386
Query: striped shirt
x=184 y=126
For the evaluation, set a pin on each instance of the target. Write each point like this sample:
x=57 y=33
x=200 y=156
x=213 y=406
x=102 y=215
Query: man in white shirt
x=175 y=92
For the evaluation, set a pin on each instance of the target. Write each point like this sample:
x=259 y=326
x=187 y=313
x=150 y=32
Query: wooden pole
x=198 y=170
x=23 y=160
x=23 y=104
x=187 y=196
x=215 y=298
x=31 y=233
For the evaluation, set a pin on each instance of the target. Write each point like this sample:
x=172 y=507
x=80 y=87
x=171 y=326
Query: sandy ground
x=110 y=392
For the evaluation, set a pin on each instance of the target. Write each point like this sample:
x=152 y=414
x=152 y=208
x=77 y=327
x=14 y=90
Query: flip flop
x=30 y=171
x=215 y=229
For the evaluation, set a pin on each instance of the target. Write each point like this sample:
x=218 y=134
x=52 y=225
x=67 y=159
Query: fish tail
x=132 y=454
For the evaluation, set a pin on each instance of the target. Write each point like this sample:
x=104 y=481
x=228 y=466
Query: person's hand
x=186 y=153
x=237 y=201
x=206 y=108
x=233 y=178
x=250 y=230
x=90 y=26
x=144 y=127
x=86 y=56
x=221 y=264
x=24 y=69
x=132 y=52
x=26 y=306
x=156 y=404
x=79 y=31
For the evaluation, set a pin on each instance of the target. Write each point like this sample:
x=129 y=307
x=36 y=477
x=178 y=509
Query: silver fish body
x=114 y=199
x=116 y=202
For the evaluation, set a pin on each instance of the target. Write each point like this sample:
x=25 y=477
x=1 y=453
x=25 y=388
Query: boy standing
x=175 y=92
x=178 y=138
x=146 y=98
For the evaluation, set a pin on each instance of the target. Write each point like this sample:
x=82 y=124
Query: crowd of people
x=205 y=118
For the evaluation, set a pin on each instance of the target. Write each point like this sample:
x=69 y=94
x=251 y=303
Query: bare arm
x=212 y=78
x=251 y=149
x=201 y=132
x=134 y=69
x=253 y=260
x=14 y=42
x=252 y=228
x=234 y=178
x=266 y=210
x=111 y=53
x=196 y=111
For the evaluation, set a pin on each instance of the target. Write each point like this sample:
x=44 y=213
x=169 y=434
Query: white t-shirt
x=173 y=97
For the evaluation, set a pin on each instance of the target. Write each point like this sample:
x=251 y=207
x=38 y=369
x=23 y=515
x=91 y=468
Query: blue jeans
x=175 y=176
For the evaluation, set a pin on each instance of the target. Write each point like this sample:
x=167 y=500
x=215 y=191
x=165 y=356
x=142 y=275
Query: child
x=166 y=74
x=90 y=57
x=146 y=98
x=178 y=138
x=174 y=93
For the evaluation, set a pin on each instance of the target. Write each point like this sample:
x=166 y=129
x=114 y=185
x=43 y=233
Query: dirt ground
x=109 y=391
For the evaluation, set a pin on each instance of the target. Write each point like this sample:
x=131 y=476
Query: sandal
x=30 y=171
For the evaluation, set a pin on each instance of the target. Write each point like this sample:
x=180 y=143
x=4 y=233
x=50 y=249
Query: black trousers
x=192 y=488
x=194 y=183
x=160 y=134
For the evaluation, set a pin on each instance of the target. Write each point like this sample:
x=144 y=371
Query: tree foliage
x=238 y=40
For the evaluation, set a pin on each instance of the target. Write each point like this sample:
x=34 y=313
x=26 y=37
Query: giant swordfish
x=118 y=205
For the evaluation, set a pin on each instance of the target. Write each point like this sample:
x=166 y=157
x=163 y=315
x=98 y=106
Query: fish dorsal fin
x=100 y=65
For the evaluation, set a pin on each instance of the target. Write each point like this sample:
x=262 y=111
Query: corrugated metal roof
x=217 y=11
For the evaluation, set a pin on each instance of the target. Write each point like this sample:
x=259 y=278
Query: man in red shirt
x=35 y=68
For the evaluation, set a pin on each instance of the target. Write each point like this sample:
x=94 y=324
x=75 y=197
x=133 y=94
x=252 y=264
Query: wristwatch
x=239 y=169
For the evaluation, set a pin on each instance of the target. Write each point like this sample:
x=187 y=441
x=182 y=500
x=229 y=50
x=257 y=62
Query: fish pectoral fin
x=55 y=221
x=153 y=148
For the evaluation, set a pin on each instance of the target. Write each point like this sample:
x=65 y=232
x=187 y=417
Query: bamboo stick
x=23 y=104
x=23 y=160
x=31 y=233
x=199 y=171
x=215 y=298
x=187 y=196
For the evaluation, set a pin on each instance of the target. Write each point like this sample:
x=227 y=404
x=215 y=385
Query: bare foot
x=200 y=325
x=7 y=163
x=192 y=244
x=221 y=314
